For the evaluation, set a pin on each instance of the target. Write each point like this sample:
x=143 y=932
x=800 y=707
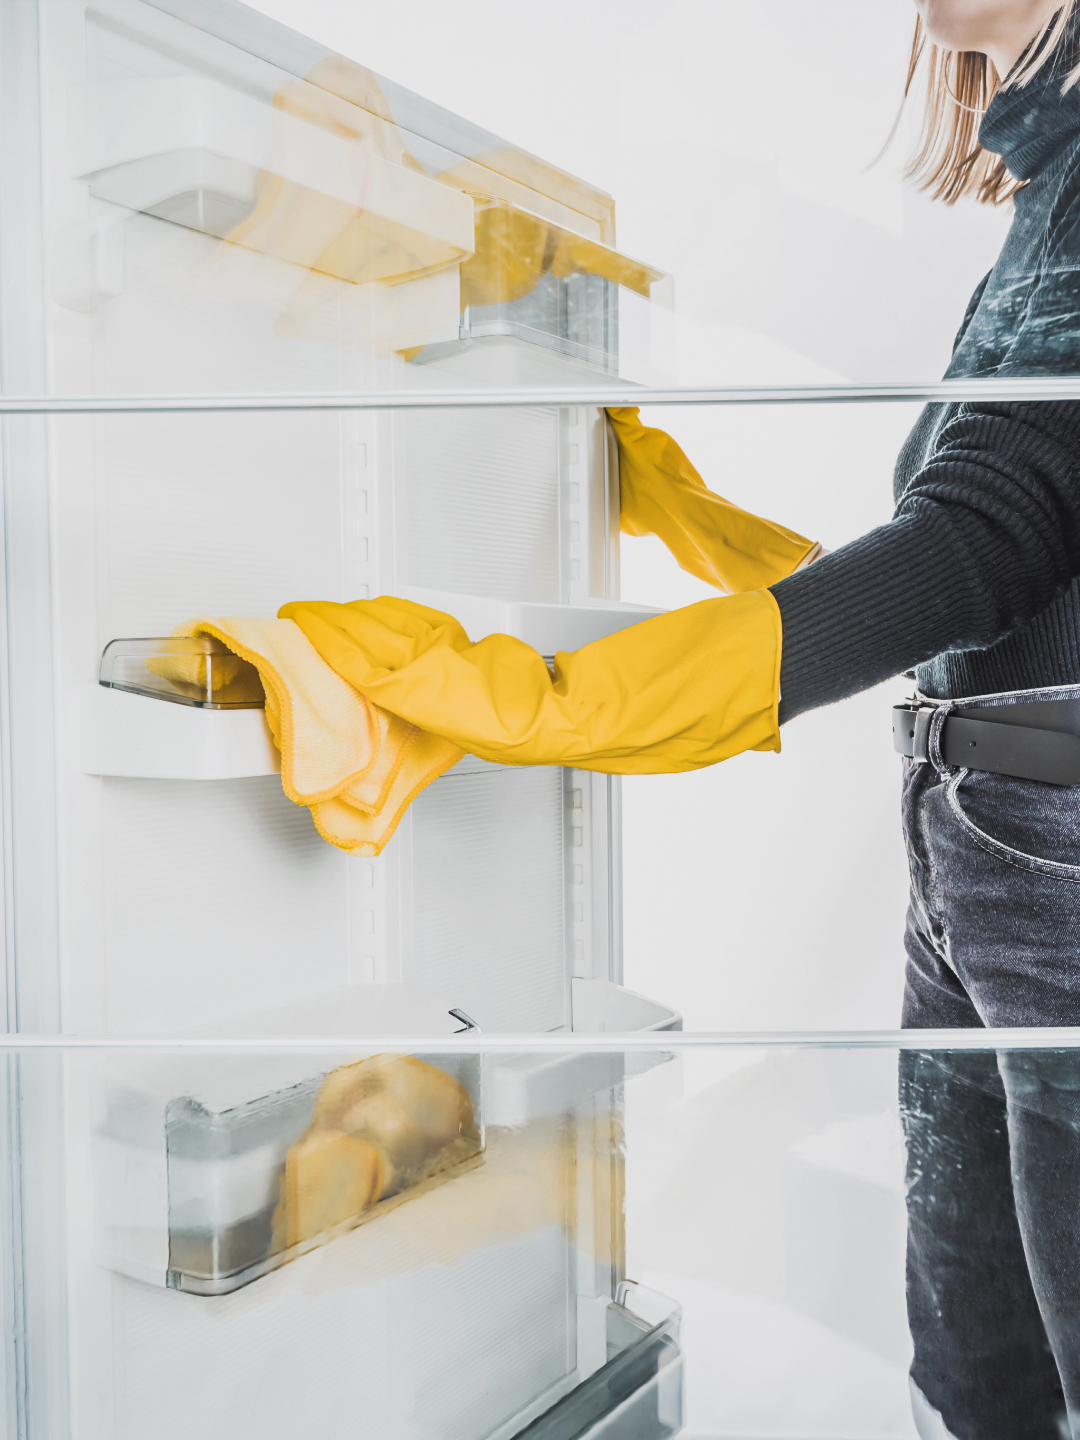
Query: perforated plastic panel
x=488 y=897
x=221 y=898
x=483 y=502
x=193 y=519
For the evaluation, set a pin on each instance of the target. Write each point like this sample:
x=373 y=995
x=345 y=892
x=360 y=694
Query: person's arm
x=986 y=537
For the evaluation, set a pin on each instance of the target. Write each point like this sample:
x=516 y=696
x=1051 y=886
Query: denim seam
x=916 y=898
x=937 y=889
x=1053 y=869
x=931 y=905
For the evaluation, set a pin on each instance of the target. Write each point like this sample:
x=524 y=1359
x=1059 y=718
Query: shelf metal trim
x=667 y=1041
x=988 y=389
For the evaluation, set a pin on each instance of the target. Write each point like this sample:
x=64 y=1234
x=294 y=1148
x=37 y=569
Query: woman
x=974 y=582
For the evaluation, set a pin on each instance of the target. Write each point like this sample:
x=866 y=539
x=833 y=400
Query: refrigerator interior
x=485 y=1304
x=230 y=1235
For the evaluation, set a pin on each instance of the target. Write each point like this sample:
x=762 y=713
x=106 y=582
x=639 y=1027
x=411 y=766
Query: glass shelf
x=753 y=1187
x=989 y=389
x=274 y=205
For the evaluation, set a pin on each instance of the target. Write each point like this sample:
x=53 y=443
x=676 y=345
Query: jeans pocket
x=1025 y=823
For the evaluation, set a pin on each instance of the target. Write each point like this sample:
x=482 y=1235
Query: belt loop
x=933 y=746
x=920 y=744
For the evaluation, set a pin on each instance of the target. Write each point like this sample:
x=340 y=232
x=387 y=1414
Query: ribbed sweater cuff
x=873 y=609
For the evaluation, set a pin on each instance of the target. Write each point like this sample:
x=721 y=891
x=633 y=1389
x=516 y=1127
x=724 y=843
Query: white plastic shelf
x=520 y=1088
x=547 y=628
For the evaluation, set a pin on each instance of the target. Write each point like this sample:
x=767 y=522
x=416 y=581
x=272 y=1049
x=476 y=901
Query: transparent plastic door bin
x=211 y=1170
x=534 y=281
x=197 y=671
x=247 y=1182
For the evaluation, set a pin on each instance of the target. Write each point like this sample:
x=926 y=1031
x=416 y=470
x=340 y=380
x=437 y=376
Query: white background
x=738 y=140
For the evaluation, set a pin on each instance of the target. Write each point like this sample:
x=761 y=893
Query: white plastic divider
x=599 y=1006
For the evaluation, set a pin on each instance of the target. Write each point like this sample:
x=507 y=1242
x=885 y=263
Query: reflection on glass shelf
x=241 y=199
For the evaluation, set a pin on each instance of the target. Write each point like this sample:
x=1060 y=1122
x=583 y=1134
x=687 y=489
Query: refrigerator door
x=501 y=886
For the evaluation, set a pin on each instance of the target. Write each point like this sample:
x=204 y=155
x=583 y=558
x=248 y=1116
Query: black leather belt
x=1035 y=741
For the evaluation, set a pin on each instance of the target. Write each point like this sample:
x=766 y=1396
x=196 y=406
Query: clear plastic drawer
x=255 y=1186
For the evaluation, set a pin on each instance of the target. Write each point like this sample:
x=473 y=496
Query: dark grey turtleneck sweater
x=974 y=581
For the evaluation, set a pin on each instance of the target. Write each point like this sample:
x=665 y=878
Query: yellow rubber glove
x=677 y=692
x=662 y=494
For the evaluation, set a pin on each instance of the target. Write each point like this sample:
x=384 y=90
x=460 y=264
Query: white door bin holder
x=211 y=730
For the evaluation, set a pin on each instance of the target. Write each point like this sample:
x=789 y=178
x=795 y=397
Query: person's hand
x=662 y=494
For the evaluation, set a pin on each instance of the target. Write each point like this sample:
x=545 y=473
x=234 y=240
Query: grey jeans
x=993 y=939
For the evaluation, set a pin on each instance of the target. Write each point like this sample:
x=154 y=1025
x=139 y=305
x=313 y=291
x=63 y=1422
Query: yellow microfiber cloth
x=355 y=765
x=660 y=493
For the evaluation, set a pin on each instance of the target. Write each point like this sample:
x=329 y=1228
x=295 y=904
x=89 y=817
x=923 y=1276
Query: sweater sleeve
x=986 y=536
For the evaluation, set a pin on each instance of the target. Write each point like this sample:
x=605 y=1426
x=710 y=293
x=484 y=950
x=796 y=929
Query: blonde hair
x=949 y=161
